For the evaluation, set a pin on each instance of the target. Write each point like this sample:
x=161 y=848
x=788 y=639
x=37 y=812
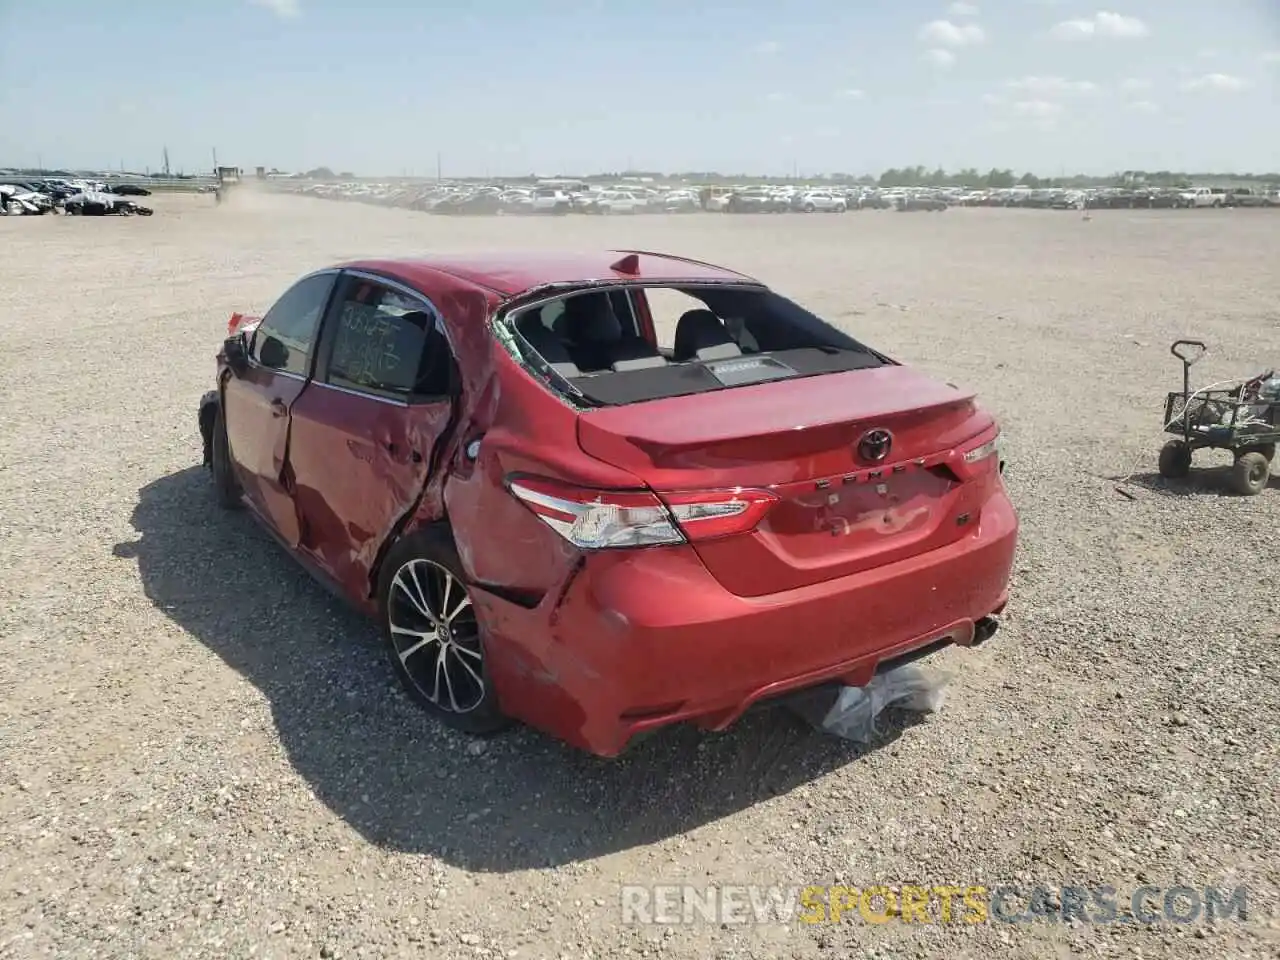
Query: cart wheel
x=1175 y=460
x=1250 y=474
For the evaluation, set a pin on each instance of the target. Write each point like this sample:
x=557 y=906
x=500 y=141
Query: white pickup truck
x=1202 y=197
x=550 y=200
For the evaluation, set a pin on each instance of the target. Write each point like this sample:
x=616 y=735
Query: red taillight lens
x=708 y=514
x=234 y=323
x=593 y=519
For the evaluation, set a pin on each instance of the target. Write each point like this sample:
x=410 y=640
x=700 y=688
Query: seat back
x=701 y=336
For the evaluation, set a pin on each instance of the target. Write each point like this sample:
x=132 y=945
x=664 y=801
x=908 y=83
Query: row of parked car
x=563 y=197
x=32 y=198
x=569 y=196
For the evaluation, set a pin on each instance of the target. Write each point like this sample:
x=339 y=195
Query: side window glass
x=389 y=344
x=285 y=338
x=551 y=314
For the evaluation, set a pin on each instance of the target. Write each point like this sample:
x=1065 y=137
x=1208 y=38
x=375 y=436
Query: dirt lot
x=202 y=754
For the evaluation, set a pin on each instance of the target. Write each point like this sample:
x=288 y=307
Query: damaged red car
x=603 y=493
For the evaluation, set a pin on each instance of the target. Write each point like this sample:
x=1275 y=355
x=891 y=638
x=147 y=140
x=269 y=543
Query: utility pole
x=438 y=168
x=215 y=161
x=166 y=161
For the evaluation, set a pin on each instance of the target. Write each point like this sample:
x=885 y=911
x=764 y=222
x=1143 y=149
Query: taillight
x=234 y=323
x=598 y=519
x=989 y=449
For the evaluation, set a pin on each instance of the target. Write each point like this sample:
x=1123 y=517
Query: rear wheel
x=1250 y=474
x=432 y=634
x=224 y=478
x=1175 y=460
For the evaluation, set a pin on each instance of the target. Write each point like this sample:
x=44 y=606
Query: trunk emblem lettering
x=875 y=445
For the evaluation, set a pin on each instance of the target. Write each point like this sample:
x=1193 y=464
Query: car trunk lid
x=839 y=509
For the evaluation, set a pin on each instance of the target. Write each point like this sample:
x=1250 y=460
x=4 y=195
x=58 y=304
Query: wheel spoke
x=423 y=640
x=424 y=593
x=446 y=593
x=460 y=649
x=431 y=634
x=467 y=667
x=414 y=592
x=463 y=604
x=435 y=693
x=448 y=680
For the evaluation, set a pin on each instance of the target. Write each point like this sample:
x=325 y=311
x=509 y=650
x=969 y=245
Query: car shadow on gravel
x=1202 y=482
x=518 y=801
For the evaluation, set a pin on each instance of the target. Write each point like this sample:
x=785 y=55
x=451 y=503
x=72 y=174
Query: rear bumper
x=635 y=640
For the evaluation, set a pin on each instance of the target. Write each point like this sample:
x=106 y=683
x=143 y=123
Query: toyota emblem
x=875 y=445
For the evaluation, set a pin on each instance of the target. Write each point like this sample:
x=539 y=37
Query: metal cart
x=1243 y=418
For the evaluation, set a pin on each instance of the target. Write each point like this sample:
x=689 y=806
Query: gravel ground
x=203 y=755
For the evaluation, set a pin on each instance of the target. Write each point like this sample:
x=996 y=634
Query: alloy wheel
x=436 y=635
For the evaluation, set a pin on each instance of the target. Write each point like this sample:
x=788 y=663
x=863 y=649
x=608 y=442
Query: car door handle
x=278 y=408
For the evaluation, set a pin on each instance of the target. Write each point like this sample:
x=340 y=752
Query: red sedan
x=556 y=516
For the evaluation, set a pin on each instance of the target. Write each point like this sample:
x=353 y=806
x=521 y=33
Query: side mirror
x=273 y=354
x=236 y=352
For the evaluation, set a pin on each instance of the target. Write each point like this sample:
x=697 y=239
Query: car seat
x=701 y=336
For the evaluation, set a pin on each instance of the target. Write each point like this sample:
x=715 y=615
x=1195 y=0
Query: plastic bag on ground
x=851 y=712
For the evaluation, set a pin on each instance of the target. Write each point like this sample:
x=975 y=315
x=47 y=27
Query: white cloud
x=1101 y=24
x=992 y=99
x=939 y=57
x=284 y=9
x=775 y=97
x=1144 y=106
x=1135 y=84
x=1271 y=56
x=944 y=33
x=1220 y=82
x=1118 y=25
x=962 y=9
x=1052 y=86
x=852 y=94
x=768 y=46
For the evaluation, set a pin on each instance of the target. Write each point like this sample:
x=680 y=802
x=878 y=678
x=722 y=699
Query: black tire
x=224 y=478
x=1175 y=460
x=424 y=566
x=809 y=208
x=1250 y=474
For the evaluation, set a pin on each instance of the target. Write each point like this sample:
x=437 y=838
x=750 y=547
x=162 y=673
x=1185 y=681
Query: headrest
x=589 y=318
x=696 y=330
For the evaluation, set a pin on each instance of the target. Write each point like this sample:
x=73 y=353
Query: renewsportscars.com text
x=672 y=904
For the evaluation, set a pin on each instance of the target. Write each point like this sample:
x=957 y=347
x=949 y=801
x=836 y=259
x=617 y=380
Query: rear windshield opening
x=625 y=344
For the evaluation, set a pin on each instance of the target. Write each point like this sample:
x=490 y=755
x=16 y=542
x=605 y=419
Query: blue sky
x=505 y=88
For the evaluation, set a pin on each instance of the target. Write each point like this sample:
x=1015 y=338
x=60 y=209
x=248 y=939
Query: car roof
x=509 y=273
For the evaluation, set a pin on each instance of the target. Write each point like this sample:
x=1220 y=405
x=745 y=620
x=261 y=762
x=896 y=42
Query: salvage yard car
x=557 y=518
